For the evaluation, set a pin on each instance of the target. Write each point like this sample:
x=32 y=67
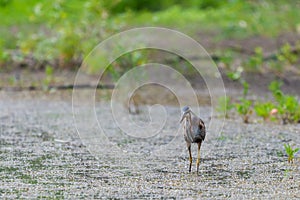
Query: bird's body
x=194 y=132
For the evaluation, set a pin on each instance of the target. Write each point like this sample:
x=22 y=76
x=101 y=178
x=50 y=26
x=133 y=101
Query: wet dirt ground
x=42 y=156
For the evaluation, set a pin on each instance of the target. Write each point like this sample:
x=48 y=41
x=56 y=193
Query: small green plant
x=243 y=108
x=245 y=88
x=290 y=152
x=226 y=60
x=264 y=110
x=289 y=109
x=286 y=54
x=287 y=105
x=49 y=78
x=235 y=75
x=225 y=106
x=275 y=88
x=256 y=61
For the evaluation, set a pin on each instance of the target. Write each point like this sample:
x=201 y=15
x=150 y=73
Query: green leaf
x=275 y=86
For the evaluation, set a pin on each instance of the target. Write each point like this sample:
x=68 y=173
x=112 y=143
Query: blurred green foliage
x=264 y=110
x=243 y=108
x=61 y=32
x=55 y=32
x=150 y=5
x=126 y=62
x=49 y=77
x=288 y=106
x=224 y=105
x=284 y=108
x=287 y=55
x=255 y=61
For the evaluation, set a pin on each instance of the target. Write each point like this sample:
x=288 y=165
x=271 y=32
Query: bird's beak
x=182 y=117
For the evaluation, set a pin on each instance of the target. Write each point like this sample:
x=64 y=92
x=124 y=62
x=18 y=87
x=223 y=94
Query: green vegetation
x=57 y=32
x=264 y=110
x=288 y=106
x=285 y=108
x=226 y=59
x=287 y=55
x=126 y=62
x=60 y=32
x=49 y=76
x=290 y=152
x=236 y=19
x=255 y=62
x=225 y=106
x=51 y=35
x=235 y=75
x=243 y=108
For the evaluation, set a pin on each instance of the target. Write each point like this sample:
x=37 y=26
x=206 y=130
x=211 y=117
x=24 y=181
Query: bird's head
x=185 y=111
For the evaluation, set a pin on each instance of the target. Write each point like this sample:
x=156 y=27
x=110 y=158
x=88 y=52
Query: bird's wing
x=201 y=129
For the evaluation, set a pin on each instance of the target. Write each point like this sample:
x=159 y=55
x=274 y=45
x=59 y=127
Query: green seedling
x=264 y=110
x=245 y=88
x=244 y=109
x=236 y=74
x=287 y=105
x=290 y=152
x=49 y=78
x=286 y=54
x=226 y=60
x=289 y=109
x=225 y=105
x=256 y=61
x=275 y=86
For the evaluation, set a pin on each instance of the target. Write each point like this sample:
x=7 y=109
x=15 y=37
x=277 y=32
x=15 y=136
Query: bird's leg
x=198 y=157
x=190 y=154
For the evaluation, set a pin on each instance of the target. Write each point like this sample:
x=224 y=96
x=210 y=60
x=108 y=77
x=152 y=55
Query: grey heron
x=194 y=132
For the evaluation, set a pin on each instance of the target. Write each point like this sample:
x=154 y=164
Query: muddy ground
x=42 y=156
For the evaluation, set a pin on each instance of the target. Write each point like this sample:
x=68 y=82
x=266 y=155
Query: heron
x=194 y=132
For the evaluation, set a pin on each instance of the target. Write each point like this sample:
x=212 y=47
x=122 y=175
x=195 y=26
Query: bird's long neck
x=190 y=120
x=189 y=123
